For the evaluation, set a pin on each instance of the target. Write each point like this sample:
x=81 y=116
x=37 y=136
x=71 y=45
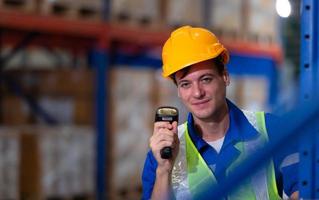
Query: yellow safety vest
x=191 y=176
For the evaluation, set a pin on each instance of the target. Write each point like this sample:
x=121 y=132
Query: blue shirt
x=239 y=130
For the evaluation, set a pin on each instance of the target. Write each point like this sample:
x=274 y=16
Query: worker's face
x=203 y=90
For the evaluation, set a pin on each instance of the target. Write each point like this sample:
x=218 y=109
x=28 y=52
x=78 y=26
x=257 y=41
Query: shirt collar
x=239 y=128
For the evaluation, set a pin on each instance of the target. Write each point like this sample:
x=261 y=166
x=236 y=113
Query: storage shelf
x=104 y=33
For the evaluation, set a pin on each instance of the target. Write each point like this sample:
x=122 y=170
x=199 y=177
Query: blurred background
x=80 y=81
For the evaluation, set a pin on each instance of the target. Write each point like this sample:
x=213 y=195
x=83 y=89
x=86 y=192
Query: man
x=217 y=135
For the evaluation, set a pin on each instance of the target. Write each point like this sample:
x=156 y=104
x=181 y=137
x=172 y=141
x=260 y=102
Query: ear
x=226 y=77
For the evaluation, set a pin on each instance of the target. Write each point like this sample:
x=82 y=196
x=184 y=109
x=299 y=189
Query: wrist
x=163 y=171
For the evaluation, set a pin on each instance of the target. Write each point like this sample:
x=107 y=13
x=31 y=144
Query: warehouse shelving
x=105 y=33
x=100 y=39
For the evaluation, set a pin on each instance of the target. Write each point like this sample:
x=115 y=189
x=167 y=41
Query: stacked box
x=66 y=95
x=75 y=9
x=226 y=17
x=61 y=109
x=184 y=12
x=263 y=21
x=9 y=163
x=30 y=171
x=77 y=83
x=19 y=5
x=67 y=161
x=132 y=117
x=249 y=92
x=14 y=111
x=255 y=93
x=137 y=12
x=58 y=162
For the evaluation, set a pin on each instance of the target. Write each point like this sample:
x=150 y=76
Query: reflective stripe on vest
x=191 y=176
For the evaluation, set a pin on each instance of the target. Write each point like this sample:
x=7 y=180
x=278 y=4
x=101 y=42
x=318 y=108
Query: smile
x=200 y=102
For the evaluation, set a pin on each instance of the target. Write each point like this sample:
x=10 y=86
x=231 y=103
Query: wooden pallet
x=19 y=5
x=73 y=9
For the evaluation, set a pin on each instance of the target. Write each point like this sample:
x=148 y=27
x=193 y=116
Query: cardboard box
x=263 y=21
x=9 y=163
x=14 y=111
x=84 y=111
x=74 y=9
x=137 y=12
x=57 y=162
x=132 y=116
x=249 y=92
x=66 y=82
x=184 y=12
x=226 y=17
x=30 y=171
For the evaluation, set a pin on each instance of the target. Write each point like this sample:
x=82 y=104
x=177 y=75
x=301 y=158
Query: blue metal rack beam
x=308 y=145
x=101 y=64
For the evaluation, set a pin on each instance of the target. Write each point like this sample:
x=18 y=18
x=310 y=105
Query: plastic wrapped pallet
x=226 y=16
x=249 y=92
x=255 y=93
x=263 y=20
x=132 y=115
x=67 y=160
x=135 y=12
x=57 y=162
x=235 y=89
x=9 y=163
x=76 y=9
x=184 y=12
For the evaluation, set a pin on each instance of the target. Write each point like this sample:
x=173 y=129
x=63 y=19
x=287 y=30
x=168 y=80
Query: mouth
x=199 y=103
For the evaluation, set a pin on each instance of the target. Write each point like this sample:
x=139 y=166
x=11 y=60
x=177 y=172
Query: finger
x=158 y=125
x=175 y=127
x=163 y=131
x=164 y=136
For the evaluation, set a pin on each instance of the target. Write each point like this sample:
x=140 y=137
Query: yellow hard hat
x=189 y=45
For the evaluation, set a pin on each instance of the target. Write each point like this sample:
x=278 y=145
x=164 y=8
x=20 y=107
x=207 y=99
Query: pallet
x=73 y=9
x=28 y=6
x=256 y=38
x=143 y=13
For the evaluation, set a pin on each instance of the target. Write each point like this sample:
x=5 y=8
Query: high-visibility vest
x=191 y=176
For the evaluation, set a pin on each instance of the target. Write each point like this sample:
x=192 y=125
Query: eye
x=184 y=85
x=206 y=79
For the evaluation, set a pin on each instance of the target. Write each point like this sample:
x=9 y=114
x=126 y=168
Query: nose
x=198 y=91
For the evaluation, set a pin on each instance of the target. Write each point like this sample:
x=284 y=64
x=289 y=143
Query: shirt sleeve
x=285 y=160
x=148 y=176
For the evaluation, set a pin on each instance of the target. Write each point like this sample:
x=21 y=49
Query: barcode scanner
x=166 y=114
